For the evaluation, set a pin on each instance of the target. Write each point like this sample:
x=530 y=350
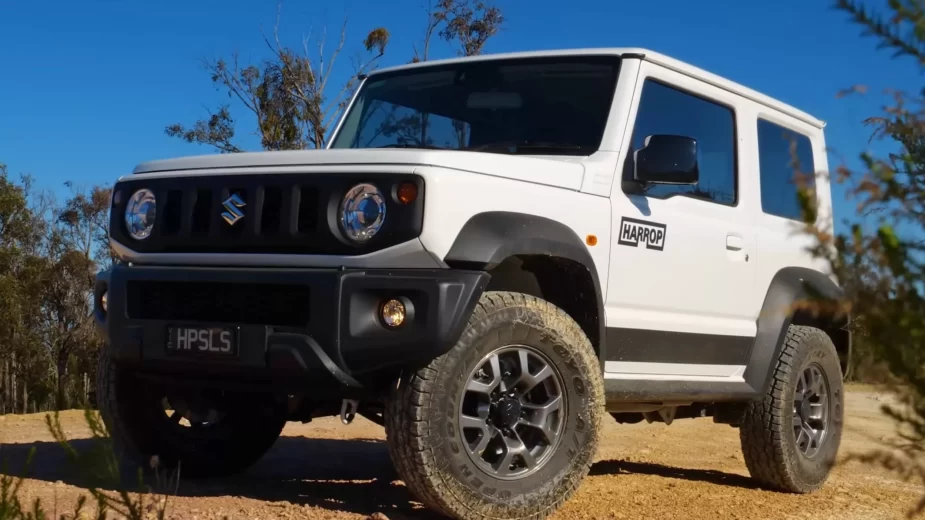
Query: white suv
x=492 y=254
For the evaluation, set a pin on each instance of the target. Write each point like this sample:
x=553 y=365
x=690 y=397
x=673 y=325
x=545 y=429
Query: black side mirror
x=667 y=159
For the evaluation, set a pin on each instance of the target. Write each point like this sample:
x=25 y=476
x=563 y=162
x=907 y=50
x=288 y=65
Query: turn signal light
x=406 y=193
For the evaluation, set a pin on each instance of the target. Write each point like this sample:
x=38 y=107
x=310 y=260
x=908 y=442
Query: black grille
x=282 y=213
x=240 y=303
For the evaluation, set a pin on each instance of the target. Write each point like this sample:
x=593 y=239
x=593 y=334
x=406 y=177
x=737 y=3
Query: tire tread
x=410 y=433
x=763 y=434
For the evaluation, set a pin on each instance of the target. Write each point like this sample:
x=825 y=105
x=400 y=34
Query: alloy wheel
x=512 y=412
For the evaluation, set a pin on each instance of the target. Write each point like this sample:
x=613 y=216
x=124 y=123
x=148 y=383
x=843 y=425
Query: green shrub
x=100 y=466
x=880 y=260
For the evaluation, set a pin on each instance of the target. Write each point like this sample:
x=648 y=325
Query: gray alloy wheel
x=810 y=410
x=511 y=412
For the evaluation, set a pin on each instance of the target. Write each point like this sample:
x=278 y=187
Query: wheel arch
x=789 y=287
x=531 y=254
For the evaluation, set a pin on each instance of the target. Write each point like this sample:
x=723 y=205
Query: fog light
x=104 y=301
x=392 y=313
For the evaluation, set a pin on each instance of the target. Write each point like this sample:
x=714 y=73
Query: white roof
x=654 y=57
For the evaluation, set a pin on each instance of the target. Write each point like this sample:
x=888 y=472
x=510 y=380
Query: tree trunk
x=6 y=386
x=13 y=399
x=3 y=387
x=25 y=398
x=61 y=401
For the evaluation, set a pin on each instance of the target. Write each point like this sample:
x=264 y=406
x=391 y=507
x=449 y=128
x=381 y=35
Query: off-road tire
x=139 y=434
x=767 y=438
x=422 y=419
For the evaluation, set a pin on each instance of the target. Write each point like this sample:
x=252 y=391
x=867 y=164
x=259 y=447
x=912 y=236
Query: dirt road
x=692 y=469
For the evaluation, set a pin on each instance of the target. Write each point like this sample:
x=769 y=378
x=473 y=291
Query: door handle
x=734 y=243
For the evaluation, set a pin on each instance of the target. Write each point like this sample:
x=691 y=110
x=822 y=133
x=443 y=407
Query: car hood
x=563 y=172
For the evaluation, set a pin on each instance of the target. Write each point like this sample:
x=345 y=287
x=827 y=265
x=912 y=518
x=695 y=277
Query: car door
x=683 y=261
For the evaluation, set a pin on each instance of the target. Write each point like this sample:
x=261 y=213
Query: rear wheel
x=204 y=433
x=506 y=424
x=790 y=438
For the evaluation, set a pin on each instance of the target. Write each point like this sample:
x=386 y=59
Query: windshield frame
x=616 y=60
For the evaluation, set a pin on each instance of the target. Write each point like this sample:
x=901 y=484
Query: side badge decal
x=634 y=231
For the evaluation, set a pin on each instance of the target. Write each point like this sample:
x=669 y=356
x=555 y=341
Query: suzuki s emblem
x=233 y=204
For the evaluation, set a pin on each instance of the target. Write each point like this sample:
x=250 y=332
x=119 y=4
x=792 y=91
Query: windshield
x=534 y=106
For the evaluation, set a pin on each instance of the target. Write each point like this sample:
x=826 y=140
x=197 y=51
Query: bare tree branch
x=433 y=21
x=288 y=93
x=471 y=23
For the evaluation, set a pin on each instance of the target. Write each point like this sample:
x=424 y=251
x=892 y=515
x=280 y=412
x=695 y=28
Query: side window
x=665 y=110
x=784 y=158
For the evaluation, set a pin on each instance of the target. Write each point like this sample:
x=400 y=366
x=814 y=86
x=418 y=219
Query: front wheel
x=506 y=424
x=790 y=438
x=203 y=433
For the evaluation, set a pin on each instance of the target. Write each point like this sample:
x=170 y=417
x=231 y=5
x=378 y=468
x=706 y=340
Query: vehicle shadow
x=354 y=475
x=721 y=478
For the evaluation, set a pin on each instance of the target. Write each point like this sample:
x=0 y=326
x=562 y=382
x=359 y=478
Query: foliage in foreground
x=879 y=261
x=101 y=467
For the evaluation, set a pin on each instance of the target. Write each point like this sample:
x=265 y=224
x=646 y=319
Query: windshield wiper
x=527 y=144
x=408 y=145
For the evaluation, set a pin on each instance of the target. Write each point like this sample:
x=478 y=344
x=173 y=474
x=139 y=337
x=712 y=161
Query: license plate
x=203 y=341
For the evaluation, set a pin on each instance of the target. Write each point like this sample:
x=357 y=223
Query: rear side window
x=666 y=110
x=783 y=155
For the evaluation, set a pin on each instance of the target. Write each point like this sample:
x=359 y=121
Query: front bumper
x=307 y=325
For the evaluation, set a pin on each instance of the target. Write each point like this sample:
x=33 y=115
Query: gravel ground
x=692 y=469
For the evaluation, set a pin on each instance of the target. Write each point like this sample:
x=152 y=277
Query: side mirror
x=667 y=159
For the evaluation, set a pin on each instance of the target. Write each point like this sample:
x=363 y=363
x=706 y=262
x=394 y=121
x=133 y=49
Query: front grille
x=208 y=302
x=280 y=214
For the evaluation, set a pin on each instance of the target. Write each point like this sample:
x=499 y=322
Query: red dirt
x=692 y=469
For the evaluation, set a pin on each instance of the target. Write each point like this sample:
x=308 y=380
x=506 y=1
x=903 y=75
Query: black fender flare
x=488 y=238
x=789 y=286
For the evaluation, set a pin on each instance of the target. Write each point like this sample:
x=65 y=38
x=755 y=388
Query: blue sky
x=86 y=88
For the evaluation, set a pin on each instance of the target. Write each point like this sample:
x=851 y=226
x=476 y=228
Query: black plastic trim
x=660 y=346
x=844 y=338
x=653 y=391
x=293 y=213
x=442 y=300
x=328 y=345
x=487 y=239
x=789 y=286
x=285 y=353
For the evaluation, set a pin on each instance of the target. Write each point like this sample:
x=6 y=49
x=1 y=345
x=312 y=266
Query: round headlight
x=140 y=213
x=362 y=212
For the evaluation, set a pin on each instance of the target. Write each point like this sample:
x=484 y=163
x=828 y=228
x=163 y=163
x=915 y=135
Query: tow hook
x=348 y=410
